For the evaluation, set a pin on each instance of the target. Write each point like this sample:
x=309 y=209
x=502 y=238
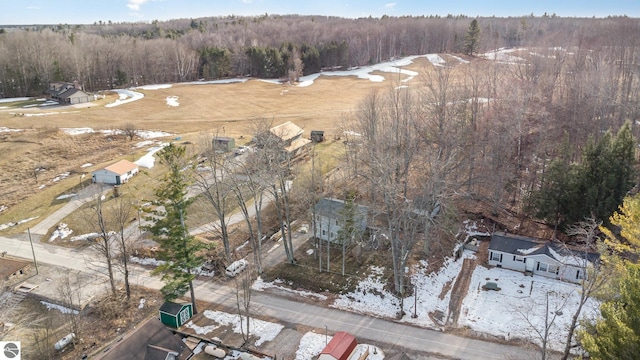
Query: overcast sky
x=90 y=11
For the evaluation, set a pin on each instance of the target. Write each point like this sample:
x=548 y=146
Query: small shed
x=224 y=144
x=317 y=136
x=11 y=268
x=115 y=174
x=174 y=314
x=340 y=347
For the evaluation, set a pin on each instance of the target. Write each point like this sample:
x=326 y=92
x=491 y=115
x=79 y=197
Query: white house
x=330 y=218
x=115 y=174
x=534 y=256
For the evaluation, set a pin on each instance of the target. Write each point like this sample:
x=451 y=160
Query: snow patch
x=62 y=231
x=172 y=101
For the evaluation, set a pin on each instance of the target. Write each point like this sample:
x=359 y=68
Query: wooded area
x=107 y=55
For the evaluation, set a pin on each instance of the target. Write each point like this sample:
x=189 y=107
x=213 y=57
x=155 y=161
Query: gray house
x=330 y=218
x=68 y=93
x=539 y=257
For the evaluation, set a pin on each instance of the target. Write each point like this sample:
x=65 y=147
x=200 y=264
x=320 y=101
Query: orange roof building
x=340 y=347
x=115 y=174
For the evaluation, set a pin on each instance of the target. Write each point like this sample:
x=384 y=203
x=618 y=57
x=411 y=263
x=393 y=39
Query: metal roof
x=523 y=246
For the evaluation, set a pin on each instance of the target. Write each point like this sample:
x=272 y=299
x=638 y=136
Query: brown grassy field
x=225 y=109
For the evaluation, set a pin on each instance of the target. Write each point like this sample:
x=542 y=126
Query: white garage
x=115 y=174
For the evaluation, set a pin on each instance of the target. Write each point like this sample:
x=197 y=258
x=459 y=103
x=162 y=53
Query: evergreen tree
x=553 y=201
x=616 y=333
x=606 y=174
x=472 y=38
x=178 y=249
x=595 y=188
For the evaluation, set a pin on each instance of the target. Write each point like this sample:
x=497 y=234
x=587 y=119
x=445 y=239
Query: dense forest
x=109 y=55
x=544 y=137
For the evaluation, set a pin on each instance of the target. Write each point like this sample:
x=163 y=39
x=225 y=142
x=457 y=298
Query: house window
x=553 y=269
x=496 y=257
x=332 y=234
x=518 y=258
x=324 y=232
x=579 y=274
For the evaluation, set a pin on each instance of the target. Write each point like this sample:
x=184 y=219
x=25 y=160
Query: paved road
x=365 y=327
x=297 y=312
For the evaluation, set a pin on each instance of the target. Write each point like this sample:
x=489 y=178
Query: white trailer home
x=115 y=174
x=539 y=257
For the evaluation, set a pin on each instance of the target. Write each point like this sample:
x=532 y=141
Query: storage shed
x=340 y=347
x=317 y=136
x=115 y=174
x=224 y=144
x=174 y=314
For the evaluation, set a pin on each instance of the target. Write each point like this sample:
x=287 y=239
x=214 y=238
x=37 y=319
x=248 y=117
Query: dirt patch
x=445 y=289
x=459 y=291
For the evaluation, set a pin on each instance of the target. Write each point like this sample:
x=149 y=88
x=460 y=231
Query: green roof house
x=175 y=315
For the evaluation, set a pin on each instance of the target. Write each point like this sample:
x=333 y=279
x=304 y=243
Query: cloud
x=135 y=4
x=390 y=6
x=33 y=7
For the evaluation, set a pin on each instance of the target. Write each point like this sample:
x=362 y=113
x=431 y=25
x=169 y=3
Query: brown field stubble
x=225 y=109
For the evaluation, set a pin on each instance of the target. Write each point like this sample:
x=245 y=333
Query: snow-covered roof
x=521 y=245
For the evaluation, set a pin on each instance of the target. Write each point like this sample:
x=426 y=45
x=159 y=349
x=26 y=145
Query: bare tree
x=272 y=156
x=595 y=274
x=97 y=219
x=70 y=291
x=130 y=130
x=216 y=186
x=122 y=210
x=543 y=328
x=243 y=302
x=386 y=124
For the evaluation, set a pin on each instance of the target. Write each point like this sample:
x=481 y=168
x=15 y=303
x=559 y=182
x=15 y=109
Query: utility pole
x=33 y=251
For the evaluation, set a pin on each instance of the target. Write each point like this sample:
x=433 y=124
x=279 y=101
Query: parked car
x=236 y=267
x=241 y=150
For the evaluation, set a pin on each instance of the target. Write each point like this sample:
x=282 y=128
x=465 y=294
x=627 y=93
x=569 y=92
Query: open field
x=36 y=157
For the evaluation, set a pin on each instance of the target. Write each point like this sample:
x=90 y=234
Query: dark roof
x=332 y=207
x=401 y=356
x=135 y=345
x=159 y=353
x=171 y=307
x=522 y=245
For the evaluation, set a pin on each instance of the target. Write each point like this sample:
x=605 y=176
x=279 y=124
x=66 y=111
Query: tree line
x=107 y=55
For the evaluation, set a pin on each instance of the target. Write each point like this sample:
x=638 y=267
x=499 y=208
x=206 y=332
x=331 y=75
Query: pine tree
x=616 y=333
x=606 y=175
x=472 y=38
x=178 y=249
x=595 y=188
